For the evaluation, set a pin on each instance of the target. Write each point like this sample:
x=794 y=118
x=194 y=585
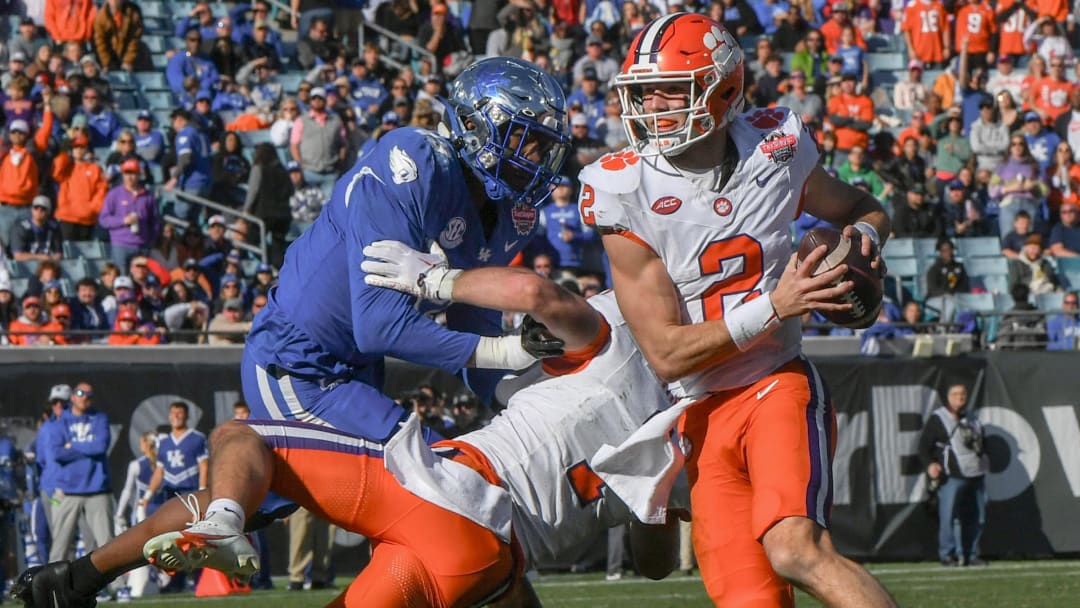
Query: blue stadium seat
x=981 y=266
x=159 y=60
x=1050 y=301
x=986 y=246
x=926 y=249
x=978 y=302
x=153 y=9
x=73 y=268
x=119 y=79
x=128 y=117
x=889 y=62
x=159 y=100
x=156 y=44
x=900 y=248
x=67 y=287
x=19 y=286
x=96 y=267
x=250 y=139
x=1072 y=278
x=1068 y=264
x=993 y=283
x=290 y=81
x=21 y=270
x=249 y=267
x=904 y=275
x=882 y=78
x=89 y=250
x=156 y=24
x=162 y=120
x=127 y=100
x=151 y=81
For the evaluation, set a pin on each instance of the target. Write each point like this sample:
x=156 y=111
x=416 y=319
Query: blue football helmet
x=508 y=120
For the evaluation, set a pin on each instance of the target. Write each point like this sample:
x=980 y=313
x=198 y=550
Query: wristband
x=869 y=230
x=147 y=496
x=751 y=320
x=503 y=352
x=438 y=283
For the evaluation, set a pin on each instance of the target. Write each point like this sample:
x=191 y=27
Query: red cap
x=439 y=9
x=126 y=314
x=59 y=310
x=80 y=141
x=130 y=165
x=31 y=300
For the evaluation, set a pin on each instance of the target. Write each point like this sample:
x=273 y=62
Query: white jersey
x=721 y=247
x=542 y=445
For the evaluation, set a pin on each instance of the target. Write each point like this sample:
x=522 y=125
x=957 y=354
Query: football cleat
x=49 y=586
x=204 y=544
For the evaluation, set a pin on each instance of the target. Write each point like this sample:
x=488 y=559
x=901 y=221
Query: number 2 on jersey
x=712 y=260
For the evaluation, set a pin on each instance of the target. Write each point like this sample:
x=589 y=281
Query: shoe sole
x=182 y=551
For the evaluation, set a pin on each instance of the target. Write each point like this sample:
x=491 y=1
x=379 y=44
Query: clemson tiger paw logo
x=726 y=52
x=617 y=161
x=766 y=119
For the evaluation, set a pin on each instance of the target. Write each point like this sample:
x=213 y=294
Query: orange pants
x=423 y=555
x=759 y=454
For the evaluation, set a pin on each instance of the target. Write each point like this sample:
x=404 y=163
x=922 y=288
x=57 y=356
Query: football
x=865 y=298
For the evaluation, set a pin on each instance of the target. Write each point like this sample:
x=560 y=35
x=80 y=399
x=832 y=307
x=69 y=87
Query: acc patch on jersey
x=666 y=205
x=453 y=234
x=402 y=166
x=524 y=217
x=779 y=147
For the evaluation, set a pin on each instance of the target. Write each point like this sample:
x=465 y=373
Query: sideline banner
x=1028 y=402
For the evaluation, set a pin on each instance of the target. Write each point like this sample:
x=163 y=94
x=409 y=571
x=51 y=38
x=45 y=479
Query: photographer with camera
x=952 y=448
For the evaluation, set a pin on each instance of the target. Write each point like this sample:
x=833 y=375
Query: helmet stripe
x=650 y=40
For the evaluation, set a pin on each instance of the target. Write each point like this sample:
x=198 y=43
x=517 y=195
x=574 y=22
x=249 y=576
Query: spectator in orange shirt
x=31 y=320
x=1013 y=17
x=126 y=321
x=61 y=322
x=69 y=20
x=82 y=190
x=1036 y=71
x=834 y=27
x=1058 y=10
x=1051 y=94
x=975 y=25
x=851 y=115
x=18 y=180
x=926 y=30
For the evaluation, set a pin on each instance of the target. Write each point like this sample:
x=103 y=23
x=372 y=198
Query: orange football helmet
x=681 y=48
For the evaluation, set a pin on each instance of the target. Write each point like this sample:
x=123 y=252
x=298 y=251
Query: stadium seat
x=153 y=9
x=119 y=79
x=157 y=44
x=1068 y=264
x=904 y=273
x=159 y=60
x=981 y=266
x=250 y=139
x=993 y=283
x=159 y=100
x=249 y=267
x=900 y=248
x=1050 y=301
x=151 y=81
x=21 y=270
x=19 y=286
x=926 y=249
x=882 y=78
x=1072 y=278
x=128 y=117
x=890 y=62
x=162 y=120
x=67 y=287
x=89 y=250
x=977 y=302
x=985 y=246
x=127 y=100
x=290 y=81
x=73 y=268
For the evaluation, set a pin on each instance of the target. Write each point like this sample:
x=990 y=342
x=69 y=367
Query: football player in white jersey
x=455 y=548
x=694 y=216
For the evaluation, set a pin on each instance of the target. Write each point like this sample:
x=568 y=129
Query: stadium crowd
x=963 y=118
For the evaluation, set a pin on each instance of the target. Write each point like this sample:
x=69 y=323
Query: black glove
x=538 y=341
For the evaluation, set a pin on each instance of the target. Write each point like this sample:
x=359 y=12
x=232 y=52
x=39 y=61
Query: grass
x=1029 y=584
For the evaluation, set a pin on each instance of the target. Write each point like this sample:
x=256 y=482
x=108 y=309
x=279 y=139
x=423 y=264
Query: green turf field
x=1033 y=584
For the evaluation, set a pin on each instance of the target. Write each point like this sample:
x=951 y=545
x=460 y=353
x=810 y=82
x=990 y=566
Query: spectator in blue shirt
x=1065 y=236
x=86 y=310
x=103 y=124
x=589 y=98
x=81 y=448
x=192 y=170
x=190 y=62
x=201 y=19
x=1063 y=329
x=48 y=468
x=564 y=229
x=149 y=142
x=766 y=10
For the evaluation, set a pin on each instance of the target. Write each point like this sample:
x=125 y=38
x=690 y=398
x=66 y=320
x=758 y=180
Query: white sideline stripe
x=1036 y=565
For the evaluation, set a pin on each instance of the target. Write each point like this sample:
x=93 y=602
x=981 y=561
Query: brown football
x=865 y=298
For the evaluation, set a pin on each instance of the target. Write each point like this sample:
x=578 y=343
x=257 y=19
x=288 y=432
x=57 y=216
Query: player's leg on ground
x=732 y=562
x=789 y=442
x=343 y=480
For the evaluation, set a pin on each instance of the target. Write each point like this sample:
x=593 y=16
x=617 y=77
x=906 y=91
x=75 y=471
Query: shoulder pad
x=615 y=172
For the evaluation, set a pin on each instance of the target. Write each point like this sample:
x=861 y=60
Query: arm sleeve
x=254 y=182
x=109 y=218
x=930 y=440
x=204 y=451
x=131 y=45
x=385 y=321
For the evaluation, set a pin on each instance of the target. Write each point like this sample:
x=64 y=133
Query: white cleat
x=204 y=544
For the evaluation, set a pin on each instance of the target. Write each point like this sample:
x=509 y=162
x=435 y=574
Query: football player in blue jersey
x=315 y=353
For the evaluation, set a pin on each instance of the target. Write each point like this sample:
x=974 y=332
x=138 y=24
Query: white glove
x=501 y=352
x=397 y=266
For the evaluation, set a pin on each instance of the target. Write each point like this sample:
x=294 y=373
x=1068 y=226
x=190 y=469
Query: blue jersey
x=197 y=174
x=323 y=323
x=180 y=458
